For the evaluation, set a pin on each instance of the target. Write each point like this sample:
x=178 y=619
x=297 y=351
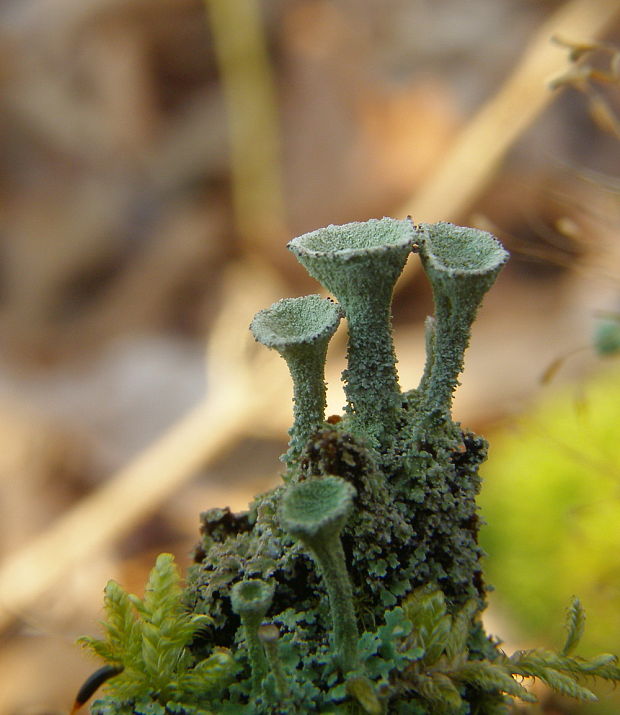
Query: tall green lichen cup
x=315 y=512
x=300 y=330
x=359 y=263
x=461 y=264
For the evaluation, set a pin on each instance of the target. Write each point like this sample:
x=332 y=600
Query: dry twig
x=472 y=160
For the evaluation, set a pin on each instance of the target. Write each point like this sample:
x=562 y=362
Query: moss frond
x=575 y=624
x=150 y=638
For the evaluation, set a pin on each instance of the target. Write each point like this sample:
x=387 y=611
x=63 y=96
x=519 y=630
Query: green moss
x=552 y=505
x=150 y=640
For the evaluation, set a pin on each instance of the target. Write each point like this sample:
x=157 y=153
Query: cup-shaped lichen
x=462 y=264
x=250 y=600
x=300 y=330
x=359 y=263
x=314 y=512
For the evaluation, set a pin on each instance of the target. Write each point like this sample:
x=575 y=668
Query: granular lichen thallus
x=359 y=263
x=356 y=585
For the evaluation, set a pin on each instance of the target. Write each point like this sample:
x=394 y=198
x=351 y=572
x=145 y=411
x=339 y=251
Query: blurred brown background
x=155 y=157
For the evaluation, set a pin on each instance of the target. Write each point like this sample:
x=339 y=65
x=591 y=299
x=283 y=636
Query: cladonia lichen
x=300 y=329
x=356 y=585
x=359 y=263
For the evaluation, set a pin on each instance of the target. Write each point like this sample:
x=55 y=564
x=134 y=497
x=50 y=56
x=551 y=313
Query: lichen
x=300 y=330
x=355 y=586
x=360 y=263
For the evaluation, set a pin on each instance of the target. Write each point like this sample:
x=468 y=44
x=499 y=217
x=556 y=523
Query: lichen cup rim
x=403 y=230
x=258 y=599
x=281 y=325
x=311 y=515
x=438 y=249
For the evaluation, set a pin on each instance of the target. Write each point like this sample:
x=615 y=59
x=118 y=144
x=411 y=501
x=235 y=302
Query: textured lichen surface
x=359 y=264
x=300 y=329
x=296 y=321
x=459 y=249
x=355 y=586
x=375 y=234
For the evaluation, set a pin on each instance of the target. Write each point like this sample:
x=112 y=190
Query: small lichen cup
x=461 y=264
x=250 y=600
x=315 y=512
x=300 y=330
x=269 y=635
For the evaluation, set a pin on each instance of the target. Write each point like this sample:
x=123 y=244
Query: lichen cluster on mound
x=414 y=520
x=419 y=526
x=356 y=585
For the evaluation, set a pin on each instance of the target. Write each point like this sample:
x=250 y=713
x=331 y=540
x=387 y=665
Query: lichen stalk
x=269 y=636
x=359 y=263
x=461 y=264
x=300 y=330
x=371 y=386
x=429 y=344
x=306 y=365
x=449 y=343
x=256 y=653
x=251 y=600
x=330 y=557
x=314 y=512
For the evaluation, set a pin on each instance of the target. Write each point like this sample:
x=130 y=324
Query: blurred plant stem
x=228 y=411
x=484 y=141
x=247 y=82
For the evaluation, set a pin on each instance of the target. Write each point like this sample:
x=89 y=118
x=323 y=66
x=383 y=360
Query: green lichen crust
x=359 y=263
x=415 y=525
x=461 y=264
x=300 y=330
